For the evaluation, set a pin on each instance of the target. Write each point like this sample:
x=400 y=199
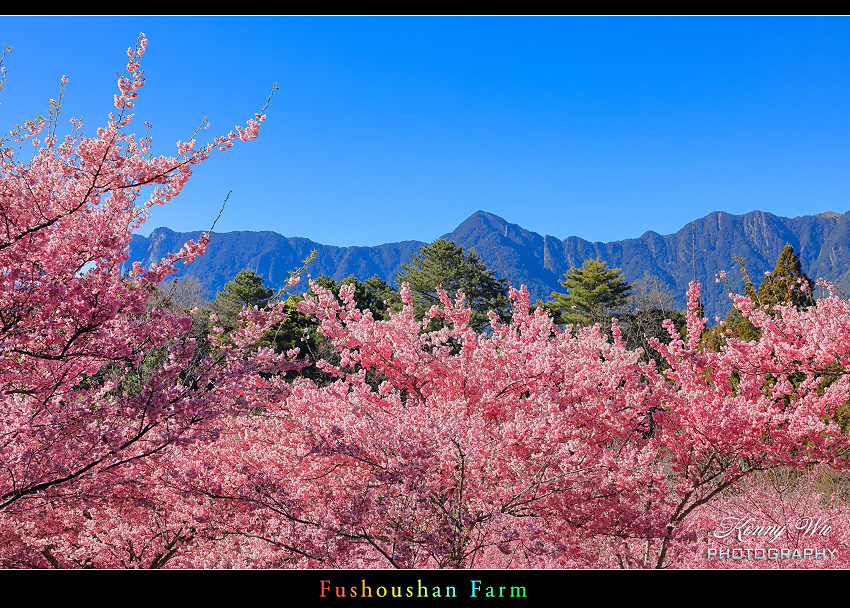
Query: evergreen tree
x=300 y=331
x=443 y=263
x=373 y=294
x=246 y=289
x=594 y=292
x=787 y=284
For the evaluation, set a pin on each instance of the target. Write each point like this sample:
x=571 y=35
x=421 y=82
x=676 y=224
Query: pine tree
x=246 y=289
x=301 y=331
x=445 y=264
x=594 y=291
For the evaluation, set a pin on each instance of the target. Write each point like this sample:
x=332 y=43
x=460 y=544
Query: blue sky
x=388 y=129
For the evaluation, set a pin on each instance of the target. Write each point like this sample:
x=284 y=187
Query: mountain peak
x=478 y=222
x=487 y=217
x=705 y=246
x=162 y=230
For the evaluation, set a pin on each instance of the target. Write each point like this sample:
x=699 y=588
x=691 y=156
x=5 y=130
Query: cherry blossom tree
x=754 y=406
x=474 y=452
x=779 y=519
x=528 y=447
x=92 y=382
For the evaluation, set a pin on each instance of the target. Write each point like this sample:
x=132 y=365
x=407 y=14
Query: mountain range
x=699 y=250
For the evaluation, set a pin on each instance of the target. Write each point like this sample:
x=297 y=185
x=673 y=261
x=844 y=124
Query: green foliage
x=787 y=284
x=735 y=321
x=301 y=332
x=594 y=291
x=246 y=289
x=373 y=294
x=445 y=264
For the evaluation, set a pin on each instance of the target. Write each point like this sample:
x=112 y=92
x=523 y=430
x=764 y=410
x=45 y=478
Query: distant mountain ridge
x=702 y=248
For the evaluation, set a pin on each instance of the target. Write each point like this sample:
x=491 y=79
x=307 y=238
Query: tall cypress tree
x=787 y=284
